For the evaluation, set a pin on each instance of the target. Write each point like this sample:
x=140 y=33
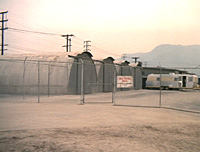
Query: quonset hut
x=105 y=74
x=60 y=73
x=89 y=74
x=54 y=73
x=124 y=68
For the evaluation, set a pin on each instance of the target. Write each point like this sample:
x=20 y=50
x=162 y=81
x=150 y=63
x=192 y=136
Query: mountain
x=171 y=56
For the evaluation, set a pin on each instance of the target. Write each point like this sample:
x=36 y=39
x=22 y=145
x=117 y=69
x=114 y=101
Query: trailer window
x=150 y=78
x=175 y=79
x=158 y=79
x=190 y=79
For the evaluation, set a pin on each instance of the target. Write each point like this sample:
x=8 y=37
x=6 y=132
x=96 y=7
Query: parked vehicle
x=172 y=81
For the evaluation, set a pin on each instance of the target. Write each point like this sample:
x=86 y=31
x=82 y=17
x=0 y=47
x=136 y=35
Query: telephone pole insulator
x=86 y=46
x=68 y=42
x=2 y=30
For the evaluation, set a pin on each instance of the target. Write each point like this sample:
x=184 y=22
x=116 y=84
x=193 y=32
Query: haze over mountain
x=171 y=56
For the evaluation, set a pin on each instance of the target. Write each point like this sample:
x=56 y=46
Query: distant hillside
x=171 y=56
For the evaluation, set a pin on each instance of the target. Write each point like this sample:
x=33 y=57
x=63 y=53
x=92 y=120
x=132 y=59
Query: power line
x=107 y=52
x=29 y=31
x=36 y=32
x=68 y=40
x=99 y=49
x=19 y=52
x=28 y=20
x=78 y=42
x=36 y=39
x=68 y=43
x=10 y=20
x=25 y=49
x=53 y=34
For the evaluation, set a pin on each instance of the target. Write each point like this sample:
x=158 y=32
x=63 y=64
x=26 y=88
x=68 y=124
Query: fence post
x=67 y=77
x=82 y=82
x=24 y=78
x=134 y=79
x=49 y=77
x=114 y=85
x=38 y=81
x=160 y=88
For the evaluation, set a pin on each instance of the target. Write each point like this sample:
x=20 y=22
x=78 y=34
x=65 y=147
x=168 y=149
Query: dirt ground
x=57 y=124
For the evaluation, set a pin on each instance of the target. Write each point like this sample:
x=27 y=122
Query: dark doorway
x=184 y=81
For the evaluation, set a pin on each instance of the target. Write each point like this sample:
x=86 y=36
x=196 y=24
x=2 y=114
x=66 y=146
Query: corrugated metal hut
x=105 y=73
x=54 y=73
x=124 y=68
x=20 y=73
x=89 y=74
x=137 y=76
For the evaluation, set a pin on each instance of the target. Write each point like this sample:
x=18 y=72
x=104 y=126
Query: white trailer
x=172 y=81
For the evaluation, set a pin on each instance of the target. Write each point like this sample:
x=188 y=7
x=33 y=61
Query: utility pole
x=145 y=63
x=135 y=59
x=2 y=30
x=86 y=46
x=123 y=56
x=68 y=42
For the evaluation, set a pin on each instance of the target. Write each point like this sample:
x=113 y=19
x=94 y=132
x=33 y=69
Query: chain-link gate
x=128 y=88
x=99 y=88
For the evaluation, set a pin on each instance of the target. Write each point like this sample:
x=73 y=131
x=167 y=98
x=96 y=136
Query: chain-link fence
x=178 y=90
x=78 y=80
x=129 y=88
x=36 y=79
x=89 y=81
x=101 y=89
x=186 y=95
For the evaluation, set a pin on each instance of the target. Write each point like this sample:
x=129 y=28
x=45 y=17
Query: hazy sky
x=114 y=27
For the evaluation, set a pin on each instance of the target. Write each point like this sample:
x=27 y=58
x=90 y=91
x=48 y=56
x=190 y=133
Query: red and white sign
x=124 y=81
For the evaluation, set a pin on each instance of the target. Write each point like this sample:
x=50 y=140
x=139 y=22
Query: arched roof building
x=60 y=73
x=56 y=73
